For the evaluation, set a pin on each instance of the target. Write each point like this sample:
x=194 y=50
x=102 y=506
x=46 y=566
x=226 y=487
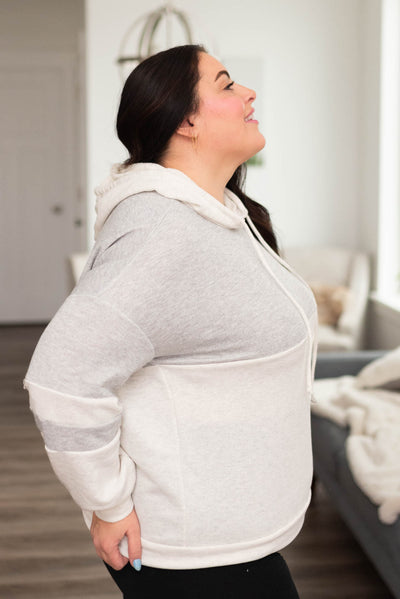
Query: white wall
x=313 y=52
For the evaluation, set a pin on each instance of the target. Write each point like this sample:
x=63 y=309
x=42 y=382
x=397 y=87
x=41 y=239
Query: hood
x=124 y=182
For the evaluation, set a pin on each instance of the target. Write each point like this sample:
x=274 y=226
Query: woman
x=173 y=386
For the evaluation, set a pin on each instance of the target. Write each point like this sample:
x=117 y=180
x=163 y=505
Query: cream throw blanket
x=373 y=417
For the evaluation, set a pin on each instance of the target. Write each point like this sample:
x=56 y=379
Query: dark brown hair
x=157 y=97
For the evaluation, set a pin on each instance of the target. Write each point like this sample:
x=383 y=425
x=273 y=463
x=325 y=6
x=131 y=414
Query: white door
x=41 y=215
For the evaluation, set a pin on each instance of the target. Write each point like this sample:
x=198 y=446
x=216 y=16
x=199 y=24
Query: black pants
x=265 y=578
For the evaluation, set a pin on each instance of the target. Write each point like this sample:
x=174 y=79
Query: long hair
x=157 y=97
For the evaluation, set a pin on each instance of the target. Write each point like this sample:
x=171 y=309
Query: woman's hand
x=107 y=536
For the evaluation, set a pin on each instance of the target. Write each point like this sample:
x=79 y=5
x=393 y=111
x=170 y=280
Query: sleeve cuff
x=116 y=513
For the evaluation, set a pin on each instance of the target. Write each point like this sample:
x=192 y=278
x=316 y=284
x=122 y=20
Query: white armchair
x=336 y=266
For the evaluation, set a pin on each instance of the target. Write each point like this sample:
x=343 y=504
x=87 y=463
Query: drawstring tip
x=312 y=397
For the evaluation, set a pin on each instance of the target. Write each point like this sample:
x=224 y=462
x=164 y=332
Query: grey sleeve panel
x=68 y=438
x=89 y=349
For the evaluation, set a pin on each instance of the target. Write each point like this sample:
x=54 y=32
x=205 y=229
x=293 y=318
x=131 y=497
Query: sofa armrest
x=332 y=364
x=352 y=318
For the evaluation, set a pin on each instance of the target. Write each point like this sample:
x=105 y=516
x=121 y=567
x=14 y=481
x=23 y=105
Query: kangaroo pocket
x=223 y=450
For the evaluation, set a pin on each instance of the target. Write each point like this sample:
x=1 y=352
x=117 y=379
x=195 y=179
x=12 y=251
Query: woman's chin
x=256 y=148
x=262 y=141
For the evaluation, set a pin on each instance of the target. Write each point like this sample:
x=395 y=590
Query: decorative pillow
x=331 y=301
x=383 y=372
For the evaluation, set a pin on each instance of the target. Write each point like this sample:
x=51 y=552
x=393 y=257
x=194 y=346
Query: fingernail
x=137 y=564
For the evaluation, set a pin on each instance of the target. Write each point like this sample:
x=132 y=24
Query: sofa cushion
x=382 y=540
x=327 y=440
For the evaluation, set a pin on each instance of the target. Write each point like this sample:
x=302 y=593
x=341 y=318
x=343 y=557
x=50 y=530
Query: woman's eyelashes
x=230 y=85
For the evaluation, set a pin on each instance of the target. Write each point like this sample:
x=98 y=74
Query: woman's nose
x=249 y=95
x=252 y=95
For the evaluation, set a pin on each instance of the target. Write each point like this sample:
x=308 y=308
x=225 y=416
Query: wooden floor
x=46 y=550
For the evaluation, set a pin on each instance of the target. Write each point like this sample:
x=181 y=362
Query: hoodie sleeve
x=92 y=346
x=86 y=352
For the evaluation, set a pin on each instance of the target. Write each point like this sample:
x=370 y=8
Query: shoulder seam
x=27 y=381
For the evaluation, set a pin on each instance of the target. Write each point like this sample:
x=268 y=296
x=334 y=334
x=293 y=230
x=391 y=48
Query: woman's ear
x=187 y=128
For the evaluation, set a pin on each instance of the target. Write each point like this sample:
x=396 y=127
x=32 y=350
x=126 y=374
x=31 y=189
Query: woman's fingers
x=107 y=549
x=134 y=541
x=107 y=536
x=114 y=558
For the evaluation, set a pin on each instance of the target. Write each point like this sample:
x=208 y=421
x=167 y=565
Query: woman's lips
x=250 y=120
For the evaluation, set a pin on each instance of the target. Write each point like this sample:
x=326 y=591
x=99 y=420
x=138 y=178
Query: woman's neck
x=213 y=179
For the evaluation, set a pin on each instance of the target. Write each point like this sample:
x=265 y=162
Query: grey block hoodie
x=177 y=376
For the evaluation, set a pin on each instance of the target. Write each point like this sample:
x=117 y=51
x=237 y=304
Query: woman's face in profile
x=224 y=106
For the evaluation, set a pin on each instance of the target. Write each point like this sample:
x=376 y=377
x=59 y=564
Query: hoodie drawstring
x=312 y=359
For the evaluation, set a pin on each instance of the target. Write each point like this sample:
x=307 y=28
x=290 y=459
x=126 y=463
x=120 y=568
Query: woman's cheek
x=227 y=108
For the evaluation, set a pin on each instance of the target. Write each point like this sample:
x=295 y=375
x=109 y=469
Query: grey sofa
x=381 y=542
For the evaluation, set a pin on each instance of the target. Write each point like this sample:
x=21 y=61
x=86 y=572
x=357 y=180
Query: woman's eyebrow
x=222 y=73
